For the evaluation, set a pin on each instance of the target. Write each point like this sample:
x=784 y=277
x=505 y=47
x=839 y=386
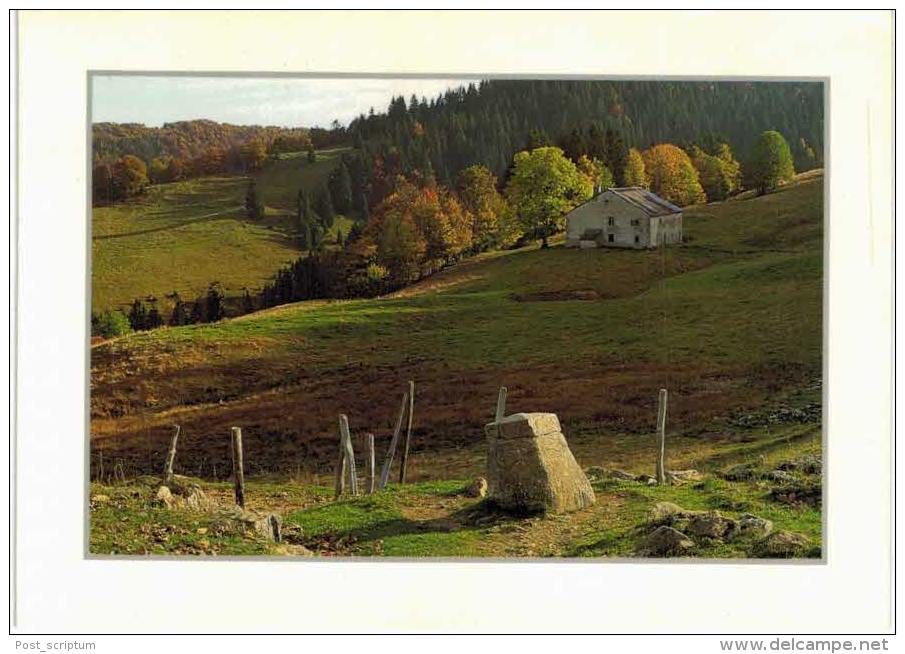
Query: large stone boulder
x=530 y=467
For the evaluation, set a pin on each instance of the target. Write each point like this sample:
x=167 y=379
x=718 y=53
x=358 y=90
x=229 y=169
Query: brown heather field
x=730 y=322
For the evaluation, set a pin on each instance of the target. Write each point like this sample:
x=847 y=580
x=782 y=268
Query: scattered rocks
x=812 y=412
x=707 y=527
x=780 y=475
x=810 y=464
x=798 y=493
x=782 y=545
x=181 y=493
x=477 y=488
x=530 y=467
x=665 y=541
x=646 y=479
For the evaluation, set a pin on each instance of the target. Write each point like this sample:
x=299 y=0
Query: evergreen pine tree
x=213 y=303
x=253 y=208
x=340 y=185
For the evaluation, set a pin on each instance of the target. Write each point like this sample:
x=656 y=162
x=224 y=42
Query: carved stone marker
x=530 y=467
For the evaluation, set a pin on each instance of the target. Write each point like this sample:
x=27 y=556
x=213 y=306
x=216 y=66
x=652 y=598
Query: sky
x=285 y=102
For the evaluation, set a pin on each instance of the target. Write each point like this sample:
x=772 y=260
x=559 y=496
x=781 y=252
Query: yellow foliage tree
x=635 y=173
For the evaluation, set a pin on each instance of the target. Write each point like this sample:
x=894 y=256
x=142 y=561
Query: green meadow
x=184 y=235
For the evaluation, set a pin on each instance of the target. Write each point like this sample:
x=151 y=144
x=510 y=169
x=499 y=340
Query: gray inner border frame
x=91 y=74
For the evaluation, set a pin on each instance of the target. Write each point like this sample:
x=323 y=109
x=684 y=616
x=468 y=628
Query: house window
x=610 y=221
x=635 y=222
x=637 y=239
x=610 y=238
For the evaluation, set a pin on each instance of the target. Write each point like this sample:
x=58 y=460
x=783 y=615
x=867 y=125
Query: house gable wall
x=609 y=216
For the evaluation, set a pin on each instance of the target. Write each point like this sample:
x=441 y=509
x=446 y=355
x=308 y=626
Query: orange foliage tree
x=672 y=175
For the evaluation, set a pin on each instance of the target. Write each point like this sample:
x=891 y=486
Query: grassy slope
x=435 y=518
x=734 y=321
x=184 y=235
x=734 y=324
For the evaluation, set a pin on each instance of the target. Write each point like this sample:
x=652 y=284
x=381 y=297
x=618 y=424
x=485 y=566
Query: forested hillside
x=487 y=123
x=185 y=139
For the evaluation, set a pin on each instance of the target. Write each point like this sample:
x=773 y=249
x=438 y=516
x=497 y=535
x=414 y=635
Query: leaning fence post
x=661 y=431
x=370 y=461
x=171 y=457
x=350 y=453
x=238 y=472
x=408 y=433
x=501 y=404
x=385 y=473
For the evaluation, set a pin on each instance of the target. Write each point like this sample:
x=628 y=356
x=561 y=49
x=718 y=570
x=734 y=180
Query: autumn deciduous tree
x=400 y=245
x=417 y=230
x=129 y=177
x=158 y=171
x=719 y=174
x=672 y=175
x=544 y=186
x=771 y=163
x=598 y=172
x=253 y=156
x=102 y=183
x=493 y=223
x=635 y=173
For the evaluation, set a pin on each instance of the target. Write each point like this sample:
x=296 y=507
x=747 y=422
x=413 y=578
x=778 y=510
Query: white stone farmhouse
x=629 y=217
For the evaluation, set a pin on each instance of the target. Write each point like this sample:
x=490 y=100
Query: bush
x=110 y=324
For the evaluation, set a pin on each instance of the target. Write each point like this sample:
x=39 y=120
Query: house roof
x=651 y=203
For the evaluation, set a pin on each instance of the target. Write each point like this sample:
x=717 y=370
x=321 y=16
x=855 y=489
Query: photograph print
x=452 y=317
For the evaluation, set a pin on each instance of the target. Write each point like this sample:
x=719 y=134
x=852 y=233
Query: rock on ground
x=665 y=541
x=682 y=476
x=741 y=472
x=164 y=497
x=782 y=545
x=477 y=488
x=709 y=525
x=596 y=472
x=267 y=525
x=663 y=511
x=530 y=467
x=751 y=524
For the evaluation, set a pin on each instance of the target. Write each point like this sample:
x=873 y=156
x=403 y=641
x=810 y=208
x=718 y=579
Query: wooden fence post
x=238 y=468
x=350 y=453
x=408 y=433
x=385 y=473
x=340 y=483
x=501 y=404
x=661 y=431
x=171 y=457
x=372 y=481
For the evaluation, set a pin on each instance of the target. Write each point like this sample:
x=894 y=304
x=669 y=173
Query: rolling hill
x=729 y=322
x=184 y=235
